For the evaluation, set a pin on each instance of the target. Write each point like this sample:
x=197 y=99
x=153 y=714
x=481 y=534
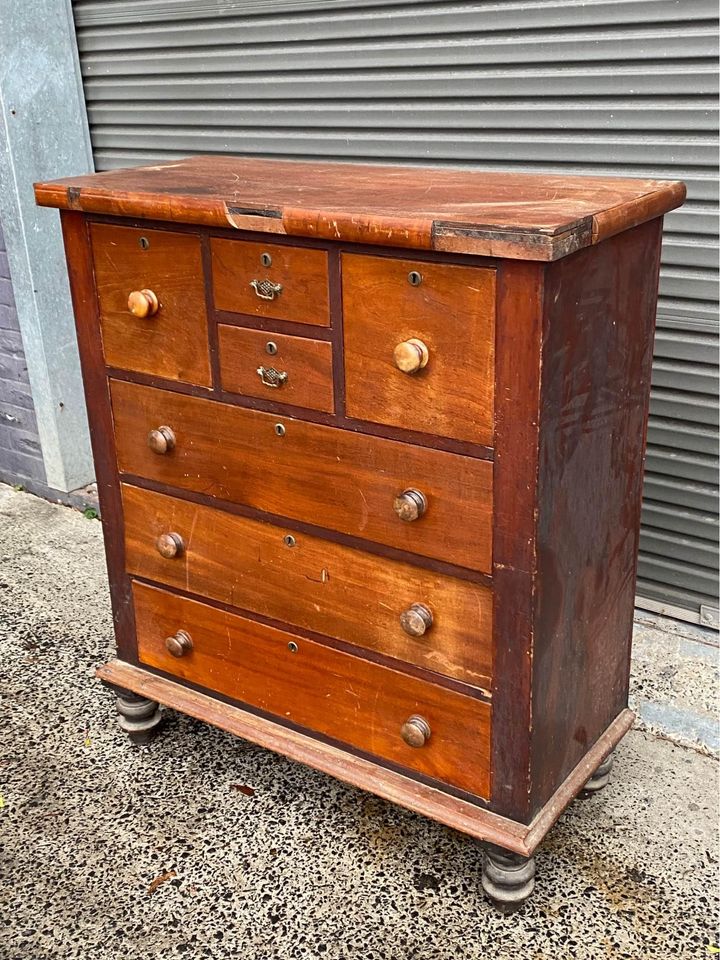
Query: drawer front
x=293 y=286
x=171 y=340
x=311 y=583
x=420 y=357
x=271 y=366
x=321 y=475
x=323 y=690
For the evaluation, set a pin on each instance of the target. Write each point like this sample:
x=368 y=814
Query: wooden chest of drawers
x=369 y=446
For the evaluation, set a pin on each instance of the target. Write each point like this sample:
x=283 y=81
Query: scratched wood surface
x=325 y=587
x=452 y=311
x=174 y=342
x=319 y=688
x=596 y=366
x=302 y=275
x=526 y=216
x=321 y=475
x=307 y=363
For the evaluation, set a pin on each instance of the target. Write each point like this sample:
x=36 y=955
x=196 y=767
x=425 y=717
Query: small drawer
x=419 y=345
x=424 y=501
x=397 y=609
x=434 y=731
x=272 y=366
x=269 y=280
x=151 y=296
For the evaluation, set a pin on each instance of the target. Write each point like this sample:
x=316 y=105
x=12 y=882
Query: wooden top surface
x=524 y=216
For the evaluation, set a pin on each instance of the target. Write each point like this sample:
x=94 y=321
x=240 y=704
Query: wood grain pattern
x=319 y=688
x=321 y=475
x=174 y=342
x=308 y=364
x=324 y=587
x=452 y=311
x=596 y=363
x=78 y=252
x=519 y=328
x=429 y=801
x=526 y=216
x=301 y=272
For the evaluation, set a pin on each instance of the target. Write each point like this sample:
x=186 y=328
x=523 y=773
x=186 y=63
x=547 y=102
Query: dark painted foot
x=508 y=878
x=599 y=779
x=138 y=717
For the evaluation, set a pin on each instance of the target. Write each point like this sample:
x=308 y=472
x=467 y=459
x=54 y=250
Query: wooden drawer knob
x=411 y=356
x=161 y=440
x=410 y=505
x=143 y=303
x=179 y=643
x=416 y=620
x=415 y=731
x=170 y=545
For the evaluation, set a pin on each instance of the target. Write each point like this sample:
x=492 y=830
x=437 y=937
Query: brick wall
x=20 y=456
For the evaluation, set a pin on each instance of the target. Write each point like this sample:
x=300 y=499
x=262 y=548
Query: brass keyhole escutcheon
x=266 y=259
x=292 y=647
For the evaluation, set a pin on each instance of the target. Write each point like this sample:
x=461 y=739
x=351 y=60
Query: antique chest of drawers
x=369 y=445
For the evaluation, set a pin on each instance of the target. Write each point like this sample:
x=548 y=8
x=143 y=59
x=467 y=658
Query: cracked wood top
x=517 y=215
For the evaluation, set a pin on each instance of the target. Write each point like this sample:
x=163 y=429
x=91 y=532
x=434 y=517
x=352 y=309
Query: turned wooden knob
x=410 y=505
x=179 y=644
x=415 y=731
x=143 y=303
x=416 y=620
x=411 y=356
x=170 y=545
x=161 y=440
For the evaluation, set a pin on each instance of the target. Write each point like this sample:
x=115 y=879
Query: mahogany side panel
x=82 y=287
x=596 y=363
x=319 y=688
x=517 y=385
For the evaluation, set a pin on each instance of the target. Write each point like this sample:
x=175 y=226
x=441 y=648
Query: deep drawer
x=420 y=345
x=293 y=285
x=318 y=474
x=320 y=689
x=271 y=366
x=309 y=582
x=159 y=275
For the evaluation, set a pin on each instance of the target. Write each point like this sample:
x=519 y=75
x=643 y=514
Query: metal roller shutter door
x=624 y=87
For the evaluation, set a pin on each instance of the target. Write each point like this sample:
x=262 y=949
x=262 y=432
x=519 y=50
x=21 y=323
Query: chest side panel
x=596 y=360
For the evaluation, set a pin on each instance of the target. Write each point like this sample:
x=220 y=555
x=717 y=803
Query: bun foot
x=599 y=779
x=508 y=878
x=137 y=716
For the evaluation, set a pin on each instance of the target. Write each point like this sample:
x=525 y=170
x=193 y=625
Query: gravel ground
x=202 y=845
